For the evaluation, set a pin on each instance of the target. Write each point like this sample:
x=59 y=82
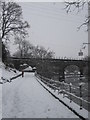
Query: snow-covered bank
x=73 y=106
x=7 y=73
x=26 y=98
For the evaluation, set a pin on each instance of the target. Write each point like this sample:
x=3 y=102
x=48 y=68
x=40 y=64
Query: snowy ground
x=82 y=112
x=8 y=73
x=26 y=98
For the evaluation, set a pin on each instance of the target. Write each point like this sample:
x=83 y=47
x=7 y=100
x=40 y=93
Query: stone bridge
x=48 y=67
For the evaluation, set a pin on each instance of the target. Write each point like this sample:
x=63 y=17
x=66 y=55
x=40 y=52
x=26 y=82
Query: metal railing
x=66 y=89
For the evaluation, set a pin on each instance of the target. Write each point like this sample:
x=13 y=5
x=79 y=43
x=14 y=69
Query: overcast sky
x=53 y=28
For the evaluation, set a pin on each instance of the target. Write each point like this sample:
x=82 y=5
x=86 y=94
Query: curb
x=10 y=80
x=15 y=77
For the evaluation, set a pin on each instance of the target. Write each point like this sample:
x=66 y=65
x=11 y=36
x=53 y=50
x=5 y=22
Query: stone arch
x=72 y=73
x=72 y=69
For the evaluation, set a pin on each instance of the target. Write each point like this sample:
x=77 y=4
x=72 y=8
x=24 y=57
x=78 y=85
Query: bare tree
x=41 y=52
x=24 y=47
x=18 y=41
x=79 y=5
x=27 y=48
x=11 y=20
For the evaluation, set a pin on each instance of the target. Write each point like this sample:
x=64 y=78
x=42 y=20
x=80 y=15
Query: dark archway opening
x=72 y=74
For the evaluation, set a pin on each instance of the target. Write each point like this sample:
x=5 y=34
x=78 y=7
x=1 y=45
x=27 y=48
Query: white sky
x=53 y=28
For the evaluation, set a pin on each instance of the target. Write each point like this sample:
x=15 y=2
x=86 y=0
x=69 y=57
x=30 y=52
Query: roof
x=28 y=68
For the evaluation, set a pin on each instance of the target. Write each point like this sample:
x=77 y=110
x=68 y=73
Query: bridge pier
x=81 y=72
x=61 y=76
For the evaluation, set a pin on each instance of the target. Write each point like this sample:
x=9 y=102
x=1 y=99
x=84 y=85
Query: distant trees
x=11 y=21
x=29 y=50
x=24 y=48
x=41 y=52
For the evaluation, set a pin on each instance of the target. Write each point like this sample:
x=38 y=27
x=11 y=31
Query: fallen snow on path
x=83 y=112
x=26 y=98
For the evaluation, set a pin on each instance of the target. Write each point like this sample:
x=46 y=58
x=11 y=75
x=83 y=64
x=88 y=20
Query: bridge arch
x=72 y=69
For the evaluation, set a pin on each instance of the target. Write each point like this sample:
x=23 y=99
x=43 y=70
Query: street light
x=83 y=47
x=80 y=53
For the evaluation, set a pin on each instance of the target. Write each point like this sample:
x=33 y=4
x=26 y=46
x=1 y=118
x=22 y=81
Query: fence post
x=54 y=89
x=80 y=86
x=63 y=88
x=41 y=77
x=58 y=90
x=70 y=92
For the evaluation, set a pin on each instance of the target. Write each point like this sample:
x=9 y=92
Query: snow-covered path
x=26 y=98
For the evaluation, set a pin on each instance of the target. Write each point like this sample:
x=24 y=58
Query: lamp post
x=83 y=47
x=80 y=53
